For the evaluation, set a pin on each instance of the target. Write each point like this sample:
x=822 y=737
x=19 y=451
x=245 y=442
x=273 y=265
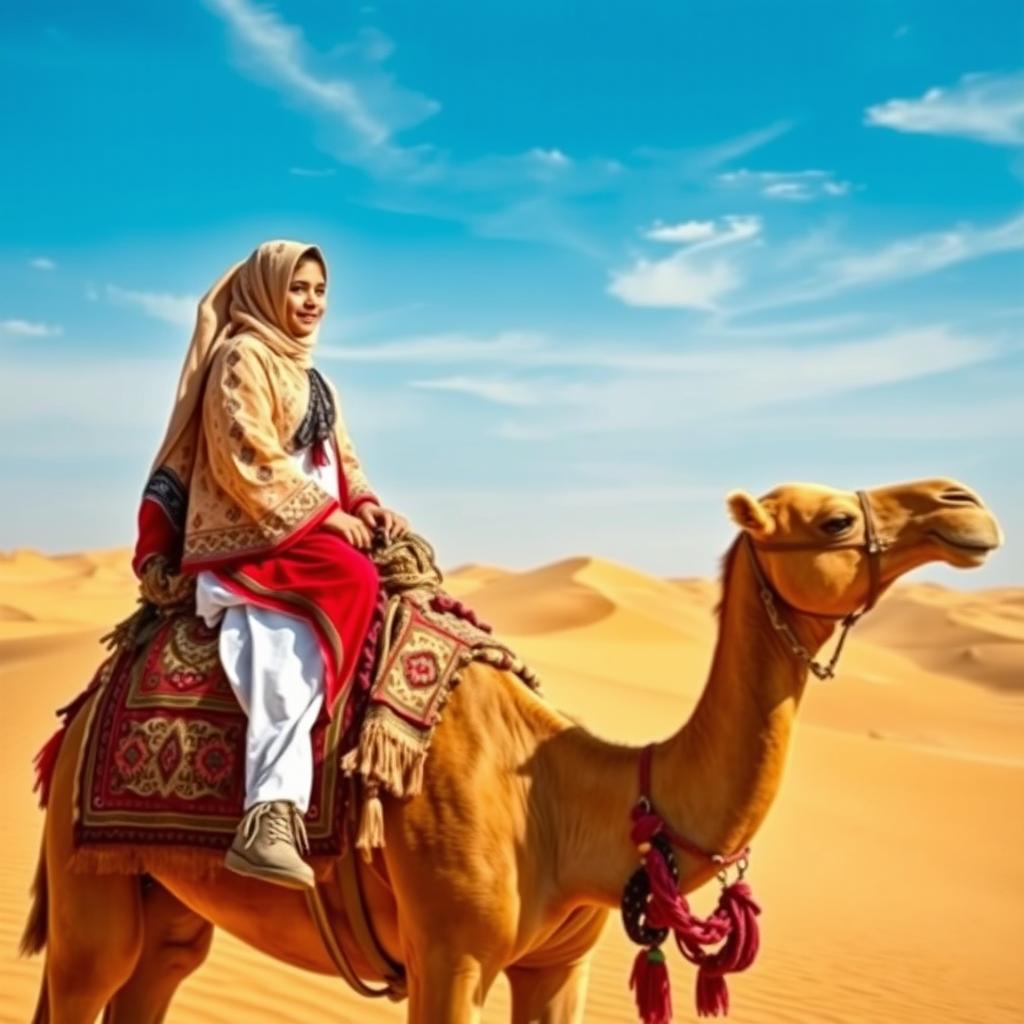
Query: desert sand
x=890 y=870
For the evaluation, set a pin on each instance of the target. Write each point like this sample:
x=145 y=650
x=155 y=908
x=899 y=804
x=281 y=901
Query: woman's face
x=307 y=299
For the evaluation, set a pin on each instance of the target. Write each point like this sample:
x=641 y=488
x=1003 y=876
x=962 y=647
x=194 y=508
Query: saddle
x=162 y=763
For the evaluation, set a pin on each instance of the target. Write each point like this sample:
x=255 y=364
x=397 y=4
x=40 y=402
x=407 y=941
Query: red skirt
x=325 y=581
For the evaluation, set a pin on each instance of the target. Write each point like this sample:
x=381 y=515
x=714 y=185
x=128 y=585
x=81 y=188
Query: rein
x=872 y=544
x=652 y=905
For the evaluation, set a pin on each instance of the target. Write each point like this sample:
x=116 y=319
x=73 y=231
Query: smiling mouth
x=959 y=545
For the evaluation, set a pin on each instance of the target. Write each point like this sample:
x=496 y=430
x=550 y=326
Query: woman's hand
x=354 y=530
x=375 y=516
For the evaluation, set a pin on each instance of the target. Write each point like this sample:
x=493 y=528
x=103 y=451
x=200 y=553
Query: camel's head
x=812 y=536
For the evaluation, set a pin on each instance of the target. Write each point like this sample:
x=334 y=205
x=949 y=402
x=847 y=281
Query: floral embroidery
x=421 y=668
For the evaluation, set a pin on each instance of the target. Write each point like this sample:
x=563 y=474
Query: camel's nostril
x=958 y=496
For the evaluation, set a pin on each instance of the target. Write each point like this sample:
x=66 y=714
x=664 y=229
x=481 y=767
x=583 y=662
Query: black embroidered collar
x=318 y=423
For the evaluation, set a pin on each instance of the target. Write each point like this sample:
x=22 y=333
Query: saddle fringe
x=138 y=860
x=387 y=757
x=191 y=861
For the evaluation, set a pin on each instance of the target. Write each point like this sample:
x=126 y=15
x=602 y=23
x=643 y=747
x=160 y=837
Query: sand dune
x=889 y=869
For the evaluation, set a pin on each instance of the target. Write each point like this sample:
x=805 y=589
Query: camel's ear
x=749 y=514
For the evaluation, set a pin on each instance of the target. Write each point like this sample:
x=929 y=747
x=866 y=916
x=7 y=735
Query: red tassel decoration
x=320 y=453
x=712 y=995
x=652 y=987
x=44 y=762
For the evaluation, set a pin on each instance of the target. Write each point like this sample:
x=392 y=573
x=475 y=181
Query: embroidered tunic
x=254 y=514
x=247 y=496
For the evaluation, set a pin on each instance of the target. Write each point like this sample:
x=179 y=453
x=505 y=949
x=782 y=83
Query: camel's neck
x=715 y=779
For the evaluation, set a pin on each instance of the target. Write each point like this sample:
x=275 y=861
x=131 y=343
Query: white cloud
x=30 y=329
x=719 y=357
x=986 y=107
x=553 y=157
x=710 y=387
x=493 y=389
x=441 y=348
x=795 y=186
x=923 y=254
x=687 y=231
x=179 y=310
x=686 y=279
x=367 y=101
x=42 y=263
x=674 y=283
x=836 y=270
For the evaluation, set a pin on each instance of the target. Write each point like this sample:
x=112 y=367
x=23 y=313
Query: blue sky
x=592 y=265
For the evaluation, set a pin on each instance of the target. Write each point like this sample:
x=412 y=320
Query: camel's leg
x=94 y=922
x=549 y=995
x=443 y=990
x=175 y=942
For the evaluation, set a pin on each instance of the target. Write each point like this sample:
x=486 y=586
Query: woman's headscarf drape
x=249 y=297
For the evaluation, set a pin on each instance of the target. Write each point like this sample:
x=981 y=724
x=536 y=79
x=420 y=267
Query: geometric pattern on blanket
x=162 y=764
x=164 y=757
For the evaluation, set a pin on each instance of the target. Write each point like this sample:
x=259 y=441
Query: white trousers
x=274 y=667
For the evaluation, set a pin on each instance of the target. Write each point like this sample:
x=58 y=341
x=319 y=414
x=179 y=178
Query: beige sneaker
x=265 y=845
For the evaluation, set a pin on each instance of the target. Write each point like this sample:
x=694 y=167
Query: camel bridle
x=871 y=543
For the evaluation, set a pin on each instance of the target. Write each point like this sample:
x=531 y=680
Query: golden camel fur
x=518 y=845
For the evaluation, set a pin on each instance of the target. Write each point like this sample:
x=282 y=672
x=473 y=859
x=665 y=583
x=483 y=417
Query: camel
x=519 y=844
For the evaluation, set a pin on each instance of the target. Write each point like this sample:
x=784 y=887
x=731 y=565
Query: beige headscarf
x=250 y=297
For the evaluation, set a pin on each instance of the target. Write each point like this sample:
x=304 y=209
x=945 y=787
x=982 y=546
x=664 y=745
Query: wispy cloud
x=986 y=107
x=42 y=263
x=492 y=389
x=687 y=279
x=30 y=329
x=837 y=269
x=682 y=233
x=441 y=348
x=924 y=254
x=309 y=172
x=703 y=161
x=179 y=310
x=358 y=110
x=368 y=102
x=794 y=186
x=629 y=390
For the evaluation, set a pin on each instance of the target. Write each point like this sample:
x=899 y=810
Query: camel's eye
x=837 y=524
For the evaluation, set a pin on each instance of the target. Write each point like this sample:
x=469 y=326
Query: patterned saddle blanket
x=163 y=763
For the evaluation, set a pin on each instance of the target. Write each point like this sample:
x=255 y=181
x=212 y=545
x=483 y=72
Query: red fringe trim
x=46 y=759
x=44 y=762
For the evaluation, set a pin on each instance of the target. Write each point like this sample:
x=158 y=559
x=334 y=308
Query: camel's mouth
x=969 y=552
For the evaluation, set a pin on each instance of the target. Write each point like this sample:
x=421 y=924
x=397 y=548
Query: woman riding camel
x=257 y=490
